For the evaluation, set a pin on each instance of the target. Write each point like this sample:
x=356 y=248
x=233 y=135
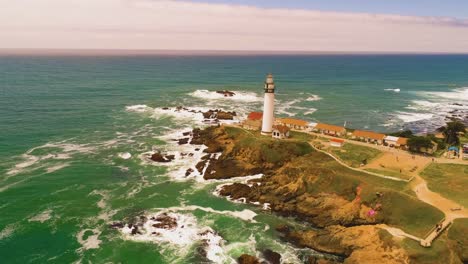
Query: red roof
x=337 y=140
x=255 y=116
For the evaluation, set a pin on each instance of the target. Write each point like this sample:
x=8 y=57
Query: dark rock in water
x=165 y=108
x=183 y=141
x=197 y=149
x=236 y=190
x=248 y=259
x=117 y=225
x=190 y=154
x=158 y=157
x=188 y=172
x=200 y=166
x=196 y=137
x=185 y=134
x=226 y=93
x=219 y=114
x=165 y=222
x=135 y=230
x=272 y=257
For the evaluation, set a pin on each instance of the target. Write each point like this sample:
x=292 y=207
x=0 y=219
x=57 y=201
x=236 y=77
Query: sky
x=241 y=25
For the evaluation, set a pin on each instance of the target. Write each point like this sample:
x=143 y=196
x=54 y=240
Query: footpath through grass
x=390 y=173
x=450 y=180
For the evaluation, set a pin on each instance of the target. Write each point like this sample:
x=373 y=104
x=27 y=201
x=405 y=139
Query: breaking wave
x=177 y=232
x=237 y=96
x=408 y=117
x=396 y=90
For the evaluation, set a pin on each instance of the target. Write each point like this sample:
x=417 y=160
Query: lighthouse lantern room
x=268 y=106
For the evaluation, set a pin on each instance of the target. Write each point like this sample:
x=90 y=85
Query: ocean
x=75 y=133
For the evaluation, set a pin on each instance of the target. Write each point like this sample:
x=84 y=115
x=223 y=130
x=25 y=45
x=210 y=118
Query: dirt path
x=412 y=165
x=356 y=169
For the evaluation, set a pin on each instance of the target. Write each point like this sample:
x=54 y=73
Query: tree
x=451 y=131
x=416 y=143
x=405 y=133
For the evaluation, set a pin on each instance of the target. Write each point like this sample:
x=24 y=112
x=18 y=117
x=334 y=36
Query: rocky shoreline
x=341 y=222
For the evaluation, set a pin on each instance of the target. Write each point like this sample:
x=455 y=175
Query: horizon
x=188 y=52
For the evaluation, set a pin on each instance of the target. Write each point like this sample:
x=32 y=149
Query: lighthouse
x=268 y=106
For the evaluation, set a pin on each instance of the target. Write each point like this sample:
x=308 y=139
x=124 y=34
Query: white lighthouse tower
x=268 y=106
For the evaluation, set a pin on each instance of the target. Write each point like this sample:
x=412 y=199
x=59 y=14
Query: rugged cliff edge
x=342 y=205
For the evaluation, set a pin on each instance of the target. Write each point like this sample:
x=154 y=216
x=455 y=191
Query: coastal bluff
x=346 y=211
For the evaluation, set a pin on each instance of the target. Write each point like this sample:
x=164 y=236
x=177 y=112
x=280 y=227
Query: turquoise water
x=65 y=120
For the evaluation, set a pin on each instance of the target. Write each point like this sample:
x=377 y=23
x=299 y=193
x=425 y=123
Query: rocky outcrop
x=271 y=257
x=248 y=259
x=359 y=244
x=244 y=155
x=226 y=93
x=219 y=114
x=164 y=221
x=158 y=157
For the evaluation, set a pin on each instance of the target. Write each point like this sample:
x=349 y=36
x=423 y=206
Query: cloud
x=152 y=24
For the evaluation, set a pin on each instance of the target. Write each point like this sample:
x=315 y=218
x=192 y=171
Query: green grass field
x=450 y=180
x=400 y=208
x=355 y=155
x=459 y=238
x=439 y=252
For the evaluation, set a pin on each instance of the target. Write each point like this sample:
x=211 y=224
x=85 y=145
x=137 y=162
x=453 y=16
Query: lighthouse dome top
x=269 y=78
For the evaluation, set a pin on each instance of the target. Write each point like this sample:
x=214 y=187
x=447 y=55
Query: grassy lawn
x=295 y=135
x=326 y=175
x=459 y=239
x=439 y=252
x=271 y=150
x=398 y=207
x=354 y=155
x=391 y=173
x=450 y=180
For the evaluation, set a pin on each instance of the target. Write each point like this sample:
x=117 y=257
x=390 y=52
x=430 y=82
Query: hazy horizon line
x=126 y=52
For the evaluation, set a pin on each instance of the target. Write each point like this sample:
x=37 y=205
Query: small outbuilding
x=336 y=142
x=280 y=132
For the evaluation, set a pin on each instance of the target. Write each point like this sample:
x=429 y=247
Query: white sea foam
x=313 y=98
x=459 y=94
x=125 y=155
x=246 y=215
x=239 y=96
x=67 y=150
x=138 y=108
x=57 y=167
x=286 y=107
x=41 y=217
x=186 y=233
x=310 y=111
x=192 y=115
x=91 y=241
x=408 y=117
x=7 y=231
x=396 y=90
